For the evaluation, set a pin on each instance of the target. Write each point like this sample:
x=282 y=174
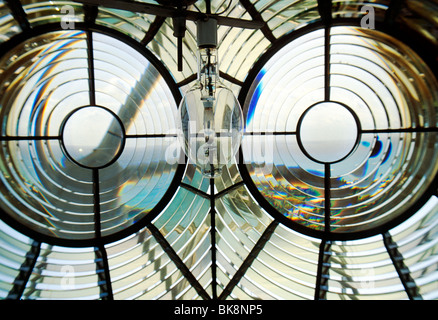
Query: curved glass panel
x=84 y=147
x=259 y=230
x=417 y=241
x=285 y=269
x=312 y=170
x=362 y=269
x=141 y=270
x=13 y=249
x=64 y=273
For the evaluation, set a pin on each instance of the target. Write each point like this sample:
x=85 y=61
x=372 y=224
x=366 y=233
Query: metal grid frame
x=327 y=237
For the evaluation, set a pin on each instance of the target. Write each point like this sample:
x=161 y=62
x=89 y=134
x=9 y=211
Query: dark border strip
x=258 y=247
x=25 y=271
x=177 y=261
x=213 y=240
x=402 y=270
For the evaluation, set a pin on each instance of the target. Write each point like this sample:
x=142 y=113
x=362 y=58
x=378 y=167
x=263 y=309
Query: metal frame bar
x=321 y=287
x=177 y=261
x=279 y=44
x=187 y=80
x=213 y=240
x=19 y=14
x=258 y=247
x=96 y=203
x=327 y=64
x=175 y=184
x=222 y=74
x=229 y=78
x=402 y=270
x=401 y=130
x=170 y=12
x=195 y=190
x=153 y=30
x=215 y=196
x=90 y=14
x=90 y=61
x=327 y=197
x=256 y=16
x=229 y=189
x=103 y=273
x=324 y=256
x=29 y=138
x=157 y=135
x=325 y=11
x=25 y=271
x=274 y=133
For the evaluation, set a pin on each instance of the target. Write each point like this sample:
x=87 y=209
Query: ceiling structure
x=333 y=194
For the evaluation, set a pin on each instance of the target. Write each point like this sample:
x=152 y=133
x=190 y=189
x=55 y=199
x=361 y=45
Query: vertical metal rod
x=90 y=14
x=323 y=269
x=103 y=273
x=213 y=240
x=102 y=266
x=90 y=59
x=96 y=203
x=324 y=248
x=325 y=11
x=327 y=63
x=180 y=53
x=208 y=6
x=327 y=197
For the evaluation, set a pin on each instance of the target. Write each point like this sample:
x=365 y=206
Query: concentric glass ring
x=89 y=144
x=328 y=132
x=393 y=163
x=69 y=92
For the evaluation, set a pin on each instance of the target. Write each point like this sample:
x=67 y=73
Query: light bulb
x=211 y=121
